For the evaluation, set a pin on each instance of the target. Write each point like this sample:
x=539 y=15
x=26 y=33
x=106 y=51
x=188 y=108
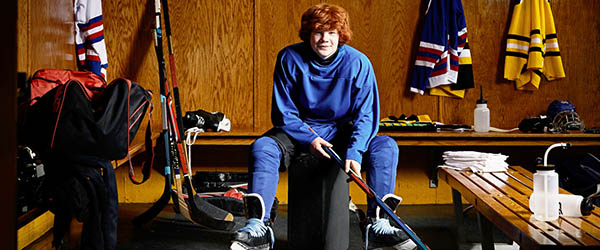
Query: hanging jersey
x=532 y=46
x=464 y=80
x=443 y=40
x=89 y=37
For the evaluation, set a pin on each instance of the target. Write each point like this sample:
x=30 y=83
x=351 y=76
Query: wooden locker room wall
x=45 y=35
x=225 y=52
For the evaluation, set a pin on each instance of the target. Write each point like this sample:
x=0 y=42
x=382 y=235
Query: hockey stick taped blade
x=209 y=215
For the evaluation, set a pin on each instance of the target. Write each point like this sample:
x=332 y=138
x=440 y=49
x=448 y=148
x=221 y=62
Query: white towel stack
x=476 y=161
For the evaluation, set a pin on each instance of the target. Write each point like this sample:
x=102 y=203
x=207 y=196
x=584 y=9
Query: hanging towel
x=443 y=52
x=89 y=37
x=532 y=46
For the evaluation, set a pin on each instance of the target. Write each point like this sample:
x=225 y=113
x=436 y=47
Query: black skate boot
x=256 y=235
x=380 y=233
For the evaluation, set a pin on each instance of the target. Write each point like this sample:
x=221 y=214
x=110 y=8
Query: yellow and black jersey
x=532 y=46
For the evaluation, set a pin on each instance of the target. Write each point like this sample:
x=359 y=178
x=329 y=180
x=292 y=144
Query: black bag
x=72 y=119
x=580 y=175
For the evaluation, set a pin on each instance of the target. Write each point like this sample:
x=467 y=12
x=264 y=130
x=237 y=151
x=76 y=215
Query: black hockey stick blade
x=211 y=216
x=154 y=210
x=158 y=206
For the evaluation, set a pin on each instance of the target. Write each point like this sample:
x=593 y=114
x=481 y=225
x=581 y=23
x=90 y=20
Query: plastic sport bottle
x=574 y=205
x=481 y=114
x=544 y=200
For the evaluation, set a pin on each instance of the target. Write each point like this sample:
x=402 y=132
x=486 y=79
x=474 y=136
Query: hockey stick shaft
x=177 y=122
x=160 y=204
x=172 y=65
x=190 y=207
x=166 y=195
x=377 y=199
x=171 y=157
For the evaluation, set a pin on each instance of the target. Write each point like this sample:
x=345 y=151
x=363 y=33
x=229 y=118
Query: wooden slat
x=569 y=234
x=591 y=224
x=34 y=229
x=480 y=198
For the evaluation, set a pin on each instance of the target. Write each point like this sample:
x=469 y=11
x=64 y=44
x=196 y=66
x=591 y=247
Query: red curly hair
x=325 y=17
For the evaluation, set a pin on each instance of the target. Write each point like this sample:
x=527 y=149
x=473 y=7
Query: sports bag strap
x=149 y=162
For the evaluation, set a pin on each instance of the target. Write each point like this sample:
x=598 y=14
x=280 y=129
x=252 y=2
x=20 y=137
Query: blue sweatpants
x=380 y=162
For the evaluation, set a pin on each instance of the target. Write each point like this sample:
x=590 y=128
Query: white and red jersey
x=89 y=37
x=443 y=42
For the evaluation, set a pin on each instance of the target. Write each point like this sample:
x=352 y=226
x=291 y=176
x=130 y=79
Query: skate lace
x=257 y=228
x=383 y=226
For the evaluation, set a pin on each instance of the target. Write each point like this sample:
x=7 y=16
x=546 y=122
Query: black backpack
x=82 y=117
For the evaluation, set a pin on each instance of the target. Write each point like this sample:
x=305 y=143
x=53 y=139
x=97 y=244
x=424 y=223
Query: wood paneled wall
x=225 y=53
x=45 y=35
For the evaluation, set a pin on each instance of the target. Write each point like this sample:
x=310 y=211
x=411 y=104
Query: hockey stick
x=172 y=65
x=202 y=212
x=158 y=206
x=371 y=194
x=168 y=192
x=176 y=98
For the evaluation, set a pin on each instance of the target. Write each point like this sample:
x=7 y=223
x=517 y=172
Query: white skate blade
x=237 y=246
x=406 y=245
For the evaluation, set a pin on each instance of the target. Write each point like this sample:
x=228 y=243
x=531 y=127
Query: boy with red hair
x=322 y=84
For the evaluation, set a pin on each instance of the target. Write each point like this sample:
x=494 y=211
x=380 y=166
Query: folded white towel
x=476 y=161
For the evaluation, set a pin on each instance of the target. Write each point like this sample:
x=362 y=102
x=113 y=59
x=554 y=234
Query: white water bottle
x=544 y=200
x=574 y=205
x=481 y=114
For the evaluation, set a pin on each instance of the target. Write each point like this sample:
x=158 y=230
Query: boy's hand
x=316 y=147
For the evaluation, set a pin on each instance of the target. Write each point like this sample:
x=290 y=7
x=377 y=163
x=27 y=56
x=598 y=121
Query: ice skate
x=257 y=234
x=380 y=233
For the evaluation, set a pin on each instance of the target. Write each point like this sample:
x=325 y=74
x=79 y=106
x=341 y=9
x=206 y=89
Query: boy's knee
x=384 y=144
x=265 y=147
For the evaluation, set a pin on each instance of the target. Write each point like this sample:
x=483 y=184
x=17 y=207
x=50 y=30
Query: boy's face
x=324 y=43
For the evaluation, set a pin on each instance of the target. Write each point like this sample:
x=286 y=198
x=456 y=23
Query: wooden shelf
x=516 y=138
x=444 y=138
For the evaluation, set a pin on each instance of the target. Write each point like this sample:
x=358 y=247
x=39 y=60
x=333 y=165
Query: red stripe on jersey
x=430 y=50
x=95 y=35
x=439 y=72
x=94 y=25
x=93 y=58
x=426 y=58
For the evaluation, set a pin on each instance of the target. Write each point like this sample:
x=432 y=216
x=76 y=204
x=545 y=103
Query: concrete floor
x=434 y=224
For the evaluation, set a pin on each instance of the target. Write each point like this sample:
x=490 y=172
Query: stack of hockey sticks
x=183 y=194
x=355 y=177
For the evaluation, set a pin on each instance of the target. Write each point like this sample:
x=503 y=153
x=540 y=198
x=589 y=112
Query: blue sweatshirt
x=325 y=97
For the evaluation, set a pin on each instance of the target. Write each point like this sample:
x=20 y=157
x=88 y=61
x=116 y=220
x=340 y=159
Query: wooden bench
x=434 y=142
x=502 y=199
x=439 y=139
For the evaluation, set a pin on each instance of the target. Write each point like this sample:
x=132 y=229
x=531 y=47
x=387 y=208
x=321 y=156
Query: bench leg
x=434 y=155
x=460 y=227
x=487 y=237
